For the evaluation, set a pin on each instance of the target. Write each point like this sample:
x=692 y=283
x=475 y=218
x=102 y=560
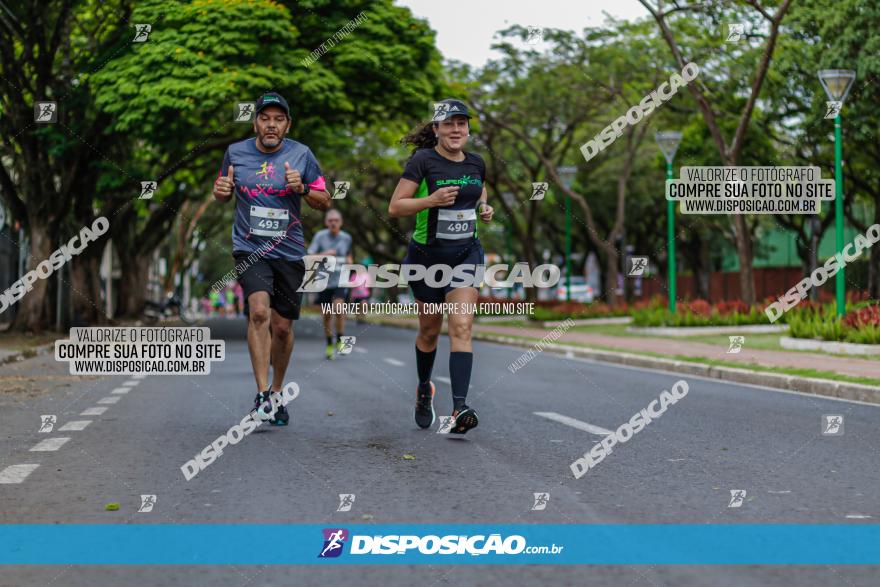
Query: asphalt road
x=353 y=426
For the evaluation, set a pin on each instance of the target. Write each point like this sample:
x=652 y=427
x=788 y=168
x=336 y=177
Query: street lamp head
x=668 y=142
x=837 y=82
x=567 y=175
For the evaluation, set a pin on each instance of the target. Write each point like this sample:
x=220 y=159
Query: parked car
x=580 y=291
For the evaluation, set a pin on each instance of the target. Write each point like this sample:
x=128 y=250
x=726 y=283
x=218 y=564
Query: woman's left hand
x=486 y=212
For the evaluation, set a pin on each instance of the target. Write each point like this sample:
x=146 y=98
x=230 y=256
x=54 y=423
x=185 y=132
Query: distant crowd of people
x=227 y=302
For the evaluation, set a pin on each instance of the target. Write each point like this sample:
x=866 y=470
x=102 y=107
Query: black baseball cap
x=456 y=108
x=273 y=99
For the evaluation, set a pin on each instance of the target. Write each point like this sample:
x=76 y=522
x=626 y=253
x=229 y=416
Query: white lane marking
x=74 y=425
x=93 y=412
x=779 y=492
x=131 y=383
x=857 y=517
x=358 y=349
x=109 y=400
x=16 y=473
x=394 y=362
x=121 y=390
x=139 y=376
x=50 y=444
x=573 y=423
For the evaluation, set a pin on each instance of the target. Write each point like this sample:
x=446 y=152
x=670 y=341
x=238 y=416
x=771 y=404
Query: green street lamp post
x=567 y=175
x=837 y=83
x=668 y=142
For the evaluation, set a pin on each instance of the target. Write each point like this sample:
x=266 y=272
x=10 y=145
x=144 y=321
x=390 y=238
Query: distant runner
x=333 y=242
x=443 y=187
x=270 y=176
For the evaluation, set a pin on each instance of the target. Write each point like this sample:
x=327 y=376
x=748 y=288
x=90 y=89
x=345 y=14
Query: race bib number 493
x=269 y=221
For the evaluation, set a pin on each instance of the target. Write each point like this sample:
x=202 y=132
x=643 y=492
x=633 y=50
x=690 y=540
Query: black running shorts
x=428 y=255
x=280 y=278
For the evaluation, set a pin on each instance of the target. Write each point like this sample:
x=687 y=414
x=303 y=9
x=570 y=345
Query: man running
x=270 y=175
x=333 y=242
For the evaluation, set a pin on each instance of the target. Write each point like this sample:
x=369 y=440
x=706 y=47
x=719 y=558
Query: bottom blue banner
x=159 y=544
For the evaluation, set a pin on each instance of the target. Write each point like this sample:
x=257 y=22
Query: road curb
x=823 y=387
x=840 y=348
x=27 y=354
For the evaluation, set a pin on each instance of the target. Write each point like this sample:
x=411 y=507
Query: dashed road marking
x=121 y=390
x=50 y=444
x=574 y=423
x=131 y=383
x=857 y=517
x=109 y=400
x=394 y=362
x=75 y=425
x=16 y=473
x=93 y=412
x=139 y=376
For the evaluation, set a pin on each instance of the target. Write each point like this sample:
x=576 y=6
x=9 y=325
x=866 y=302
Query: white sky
x=466 y=28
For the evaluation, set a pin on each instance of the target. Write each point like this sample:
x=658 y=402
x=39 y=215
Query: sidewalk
x=16 y=346
x=814 y=373
x=853 y=367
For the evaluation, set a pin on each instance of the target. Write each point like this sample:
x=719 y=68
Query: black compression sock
x=460 y=365
x=424 y=365
x=339 y=337
x=329 y=340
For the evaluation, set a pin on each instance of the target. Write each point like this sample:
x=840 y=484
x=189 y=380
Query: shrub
x=701 y=313
x=861 y=325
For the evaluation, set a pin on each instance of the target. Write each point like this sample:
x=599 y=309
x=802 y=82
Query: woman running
x=443 y=187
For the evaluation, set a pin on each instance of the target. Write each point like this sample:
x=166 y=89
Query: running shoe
x=465 y=419
x=425 y=406
x=282 y=416
x=262 y=407
x=329 y=351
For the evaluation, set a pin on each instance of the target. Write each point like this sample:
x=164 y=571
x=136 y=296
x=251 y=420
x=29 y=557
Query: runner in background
x=239 y=299
x=360 y=291
x=230 y=303
x=216 y=303
x=443 y=187
x=333 y=242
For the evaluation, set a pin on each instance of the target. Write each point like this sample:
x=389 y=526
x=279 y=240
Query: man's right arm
x=224 y=186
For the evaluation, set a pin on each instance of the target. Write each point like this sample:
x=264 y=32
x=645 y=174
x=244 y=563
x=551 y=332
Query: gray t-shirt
x=266 y=212
x=324 y=240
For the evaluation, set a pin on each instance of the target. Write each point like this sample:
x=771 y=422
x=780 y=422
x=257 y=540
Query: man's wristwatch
x=306 y=189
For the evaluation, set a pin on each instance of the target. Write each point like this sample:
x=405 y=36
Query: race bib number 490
x=456 y=224
x=269 y=221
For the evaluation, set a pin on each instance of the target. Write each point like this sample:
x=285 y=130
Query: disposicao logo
x=334 y=540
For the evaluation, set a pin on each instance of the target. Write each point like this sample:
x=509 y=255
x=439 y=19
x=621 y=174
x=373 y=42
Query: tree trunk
x=612 y=262
x=133 y=282
x=32 y=315
x=744 y=253
x=874 y=260
x=88 y=306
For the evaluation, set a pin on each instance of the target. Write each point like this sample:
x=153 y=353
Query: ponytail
x=421 y=137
